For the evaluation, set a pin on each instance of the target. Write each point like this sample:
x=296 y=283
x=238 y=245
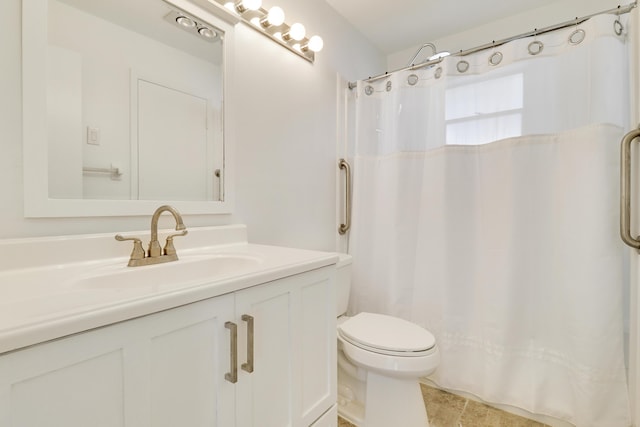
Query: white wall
x=286 y=175
x=286 y=132
x=555 y=13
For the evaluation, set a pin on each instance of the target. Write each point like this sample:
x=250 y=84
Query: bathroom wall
x=286 y=133
x=287 y=168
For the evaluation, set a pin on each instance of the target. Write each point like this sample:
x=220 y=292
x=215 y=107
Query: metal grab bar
x=343 y=164
x=625 y=189
x=114 y=172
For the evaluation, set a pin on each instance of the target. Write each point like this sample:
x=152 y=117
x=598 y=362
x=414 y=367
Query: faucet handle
x=169 y=249
x=138 y=251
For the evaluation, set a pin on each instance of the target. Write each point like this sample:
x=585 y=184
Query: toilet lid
x=386 y=333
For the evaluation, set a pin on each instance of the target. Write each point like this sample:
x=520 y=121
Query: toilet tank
x=343 y=283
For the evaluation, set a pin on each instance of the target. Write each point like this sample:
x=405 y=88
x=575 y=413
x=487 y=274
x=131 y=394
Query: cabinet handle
x=232 y=376
x=249 y=365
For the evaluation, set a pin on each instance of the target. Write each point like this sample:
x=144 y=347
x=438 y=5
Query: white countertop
x=55 y=295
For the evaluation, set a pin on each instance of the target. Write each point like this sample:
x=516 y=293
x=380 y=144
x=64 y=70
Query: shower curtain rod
x=616 y=10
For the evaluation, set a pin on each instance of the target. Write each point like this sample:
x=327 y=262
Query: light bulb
x=244 y=5
x=230 y=5
x=275 y=16
x=255 y=21
x=252 y=4
x=297 y=31
x=315 y=43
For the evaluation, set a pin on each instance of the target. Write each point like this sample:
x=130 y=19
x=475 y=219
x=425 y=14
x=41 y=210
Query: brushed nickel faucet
x=156 y=254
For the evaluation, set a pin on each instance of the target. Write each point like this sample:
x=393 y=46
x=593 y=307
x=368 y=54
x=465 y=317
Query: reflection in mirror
x=86 y=157
x=134 y=102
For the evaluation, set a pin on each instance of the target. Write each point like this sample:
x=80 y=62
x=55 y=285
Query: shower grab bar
x=625 y=189
x=343 y=164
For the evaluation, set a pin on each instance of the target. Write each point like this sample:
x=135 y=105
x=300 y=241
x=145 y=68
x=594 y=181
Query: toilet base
x=394 y=402
x=381 y=401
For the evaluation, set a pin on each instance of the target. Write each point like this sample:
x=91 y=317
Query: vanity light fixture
x=270 y=23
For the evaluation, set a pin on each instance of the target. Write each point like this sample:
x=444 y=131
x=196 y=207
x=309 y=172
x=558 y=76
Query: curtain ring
x=462 y=66
x=438 y=73
x=368 y=90
x=535 y=47
x=412 y=79
x=389 y=85
x=617 y=26
x=495 y=58
x=578 y=35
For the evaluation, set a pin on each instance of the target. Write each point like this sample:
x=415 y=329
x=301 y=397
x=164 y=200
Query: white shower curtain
x=486 y=210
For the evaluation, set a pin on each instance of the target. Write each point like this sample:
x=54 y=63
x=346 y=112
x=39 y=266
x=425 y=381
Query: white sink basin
x=189 y=269
x=57 y=286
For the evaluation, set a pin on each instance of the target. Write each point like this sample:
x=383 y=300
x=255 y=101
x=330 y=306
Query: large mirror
x=123 y=107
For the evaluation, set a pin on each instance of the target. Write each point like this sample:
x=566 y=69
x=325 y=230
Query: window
x=484 y=111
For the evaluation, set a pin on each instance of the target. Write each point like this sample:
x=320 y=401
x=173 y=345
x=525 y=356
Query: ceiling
x=147 y=17
x=400 y=24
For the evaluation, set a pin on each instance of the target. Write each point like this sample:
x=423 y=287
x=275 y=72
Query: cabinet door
x=293 y=378
x=165 y=369
x=186 y=356
x=78 y=381
x=317 y=383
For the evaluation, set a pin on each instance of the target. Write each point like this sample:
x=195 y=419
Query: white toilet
x=380 y=359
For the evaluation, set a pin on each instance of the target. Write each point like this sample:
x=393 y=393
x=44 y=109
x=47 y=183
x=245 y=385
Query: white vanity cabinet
x=168 y=368
x=157 y=370
x=294 y=377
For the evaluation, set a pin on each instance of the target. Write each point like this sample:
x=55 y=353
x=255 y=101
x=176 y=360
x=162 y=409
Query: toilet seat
x=387 y=335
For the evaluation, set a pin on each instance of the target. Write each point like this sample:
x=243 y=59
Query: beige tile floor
x=450 y=410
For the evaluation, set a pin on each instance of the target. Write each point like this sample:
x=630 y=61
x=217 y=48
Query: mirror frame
x=37 y=203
